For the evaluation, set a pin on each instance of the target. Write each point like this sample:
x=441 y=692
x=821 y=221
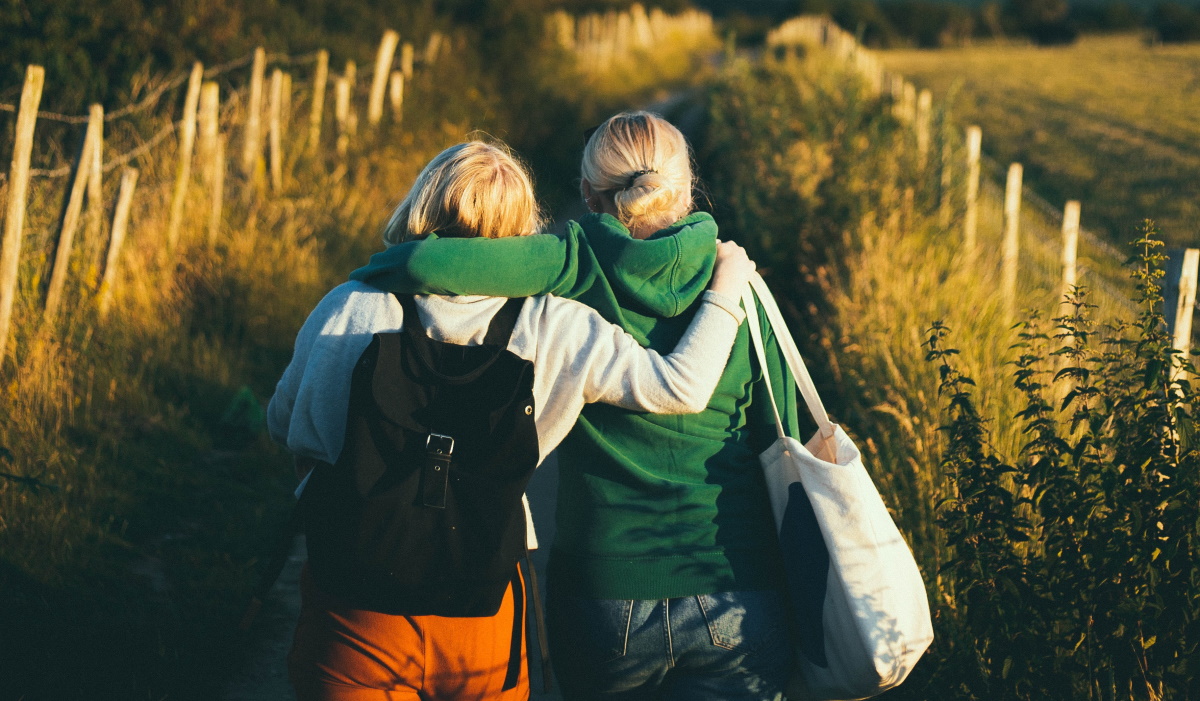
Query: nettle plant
x=1074 y=567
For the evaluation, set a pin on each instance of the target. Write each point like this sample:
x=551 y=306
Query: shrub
x=1076 y=563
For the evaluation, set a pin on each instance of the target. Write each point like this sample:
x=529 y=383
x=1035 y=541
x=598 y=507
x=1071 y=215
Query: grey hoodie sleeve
x=308 y=410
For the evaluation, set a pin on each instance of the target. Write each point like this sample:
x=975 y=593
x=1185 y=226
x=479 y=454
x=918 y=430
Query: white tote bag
x=861 y=613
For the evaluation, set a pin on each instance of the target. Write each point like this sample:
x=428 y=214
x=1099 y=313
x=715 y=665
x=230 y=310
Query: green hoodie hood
x=662 y=275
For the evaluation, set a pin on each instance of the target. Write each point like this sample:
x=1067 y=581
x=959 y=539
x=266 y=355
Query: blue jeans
x=728 y=646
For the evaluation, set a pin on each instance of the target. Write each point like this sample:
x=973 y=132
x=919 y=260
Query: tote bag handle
x=791 y=354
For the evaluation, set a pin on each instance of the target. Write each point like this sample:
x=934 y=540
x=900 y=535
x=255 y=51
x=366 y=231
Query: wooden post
x=924 y=113
x=908 y=110
x=341 y=112
x=95 y=200
x=66 y=238
x=251 y=147
x=276 y=139
x=396 y=93
x=187 y=143
x=1070 y=252
x=216 y=179
x=1012 y=236
x=316 y=113
x=406 y=60
x=433 y=47
x=1181 y=289
x=285 y=106
x=120 y=225
x=209 y=121
x=974 y=143
x=351 y=75
x=18 y=187
x=383 y=69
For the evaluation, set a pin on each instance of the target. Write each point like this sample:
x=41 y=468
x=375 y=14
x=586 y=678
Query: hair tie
x=637 y=175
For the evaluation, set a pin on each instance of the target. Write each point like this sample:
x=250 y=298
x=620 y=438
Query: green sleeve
x=517 y=266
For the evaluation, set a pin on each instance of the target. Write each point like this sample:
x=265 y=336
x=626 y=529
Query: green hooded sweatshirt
x=650 y=506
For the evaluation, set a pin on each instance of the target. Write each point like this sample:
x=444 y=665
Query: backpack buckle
x=435 y=477
x=439 y=444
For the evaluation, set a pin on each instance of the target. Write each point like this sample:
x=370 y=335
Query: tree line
x=937 y=23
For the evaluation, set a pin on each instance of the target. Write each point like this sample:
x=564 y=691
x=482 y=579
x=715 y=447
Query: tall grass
x=975 y=452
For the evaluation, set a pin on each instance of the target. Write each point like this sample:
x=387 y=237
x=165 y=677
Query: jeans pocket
x=598 y=628
x=744 y=621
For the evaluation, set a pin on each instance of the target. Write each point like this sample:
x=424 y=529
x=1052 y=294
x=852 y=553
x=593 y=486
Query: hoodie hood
x=662 y=275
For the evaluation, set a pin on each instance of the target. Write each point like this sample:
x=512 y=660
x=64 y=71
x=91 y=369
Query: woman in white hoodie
x=343 y=650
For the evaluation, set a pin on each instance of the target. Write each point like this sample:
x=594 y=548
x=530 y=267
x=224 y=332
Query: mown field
x=1109 y=121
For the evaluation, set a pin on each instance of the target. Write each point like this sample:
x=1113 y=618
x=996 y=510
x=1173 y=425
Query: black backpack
x=422 y=514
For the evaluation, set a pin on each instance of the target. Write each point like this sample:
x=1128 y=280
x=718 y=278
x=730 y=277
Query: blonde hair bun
x=643 y=162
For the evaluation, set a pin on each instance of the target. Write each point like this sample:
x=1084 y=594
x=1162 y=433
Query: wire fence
x=1040 y=235
x=255 y=113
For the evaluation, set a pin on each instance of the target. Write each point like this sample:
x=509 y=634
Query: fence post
x=1179 y=300
x=187 y=143
x=216 y=179
x=18 y=187
x=908 y=111
x=1012 y=236
x=924 y=110
x=1070 y=252
x=276 y=139
x=434 y=45
x=120 y=224
x=383 y=69
x=66 y=238
x=251 y=150
x=406 y=60
x=95 y=202
x=316 y=113
x=396 y=93
x=970 y=221
x=341 y=113
x=285 y=107
x=209 y=122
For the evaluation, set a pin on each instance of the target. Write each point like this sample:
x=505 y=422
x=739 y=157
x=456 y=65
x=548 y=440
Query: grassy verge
x=1041 y=474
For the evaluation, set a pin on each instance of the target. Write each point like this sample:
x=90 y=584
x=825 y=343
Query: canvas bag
x=860 y=608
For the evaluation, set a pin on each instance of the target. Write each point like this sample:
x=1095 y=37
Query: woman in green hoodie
x=664 y=576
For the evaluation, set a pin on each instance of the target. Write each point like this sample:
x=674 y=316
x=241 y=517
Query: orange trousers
x=345 y=654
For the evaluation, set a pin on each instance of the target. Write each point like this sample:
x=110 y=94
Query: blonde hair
x=470 y=189
x=642 y=161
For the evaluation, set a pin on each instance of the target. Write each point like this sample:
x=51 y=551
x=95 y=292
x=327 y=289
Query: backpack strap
x=500 y=330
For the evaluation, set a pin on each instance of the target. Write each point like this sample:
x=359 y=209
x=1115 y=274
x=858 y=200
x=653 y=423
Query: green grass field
x=1109 y=121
